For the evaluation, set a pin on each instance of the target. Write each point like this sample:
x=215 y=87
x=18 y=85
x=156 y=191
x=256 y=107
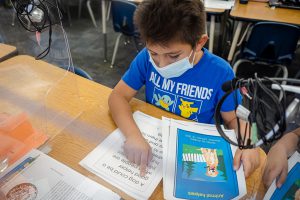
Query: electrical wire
x=35 y=16
x=259 y=99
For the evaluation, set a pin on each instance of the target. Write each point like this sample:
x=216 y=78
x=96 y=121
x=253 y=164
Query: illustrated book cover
x=199 y=163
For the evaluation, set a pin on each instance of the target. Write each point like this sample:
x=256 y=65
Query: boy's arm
x=277 y=165
x=136 y=147
x=289 y=141
x=249 y=157
x=297 y=131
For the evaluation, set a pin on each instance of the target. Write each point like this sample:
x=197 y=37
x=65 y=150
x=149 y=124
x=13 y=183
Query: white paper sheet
x=169 y=132
x=48 y=179
x=107 y=160
x=219 y=4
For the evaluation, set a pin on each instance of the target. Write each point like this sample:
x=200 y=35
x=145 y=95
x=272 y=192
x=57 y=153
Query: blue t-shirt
x=194 y=95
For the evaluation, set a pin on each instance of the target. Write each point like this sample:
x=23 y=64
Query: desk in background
x=89 y=128
x=259 y=11
x=211 y=11
x=7 y=51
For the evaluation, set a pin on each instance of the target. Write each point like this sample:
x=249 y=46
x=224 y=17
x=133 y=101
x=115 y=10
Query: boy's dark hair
x=162 y=21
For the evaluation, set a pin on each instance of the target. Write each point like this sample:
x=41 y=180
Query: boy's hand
x=249 y=158
x=138 y=151
x=2 y=196
x=276 y=167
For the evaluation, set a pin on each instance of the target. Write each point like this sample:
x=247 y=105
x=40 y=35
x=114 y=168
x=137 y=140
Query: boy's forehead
x=169 y=47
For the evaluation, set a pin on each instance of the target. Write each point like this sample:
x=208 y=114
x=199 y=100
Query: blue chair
x=78 y=71
x=82 y=73
x=269 y=43
x=122 y=17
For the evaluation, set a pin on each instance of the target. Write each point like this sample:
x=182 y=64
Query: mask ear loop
x=193 y=57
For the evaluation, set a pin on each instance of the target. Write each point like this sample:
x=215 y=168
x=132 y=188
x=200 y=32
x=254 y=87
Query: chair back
x=271 y=42
x=82 y=73
x=122 y=15
x=78 y=71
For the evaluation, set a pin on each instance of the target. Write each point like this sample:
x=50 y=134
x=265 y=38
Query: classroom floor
x=86 y=45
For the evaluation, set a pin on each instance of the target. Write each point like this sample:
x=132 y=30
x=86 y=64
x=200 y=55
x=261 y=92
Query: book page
x=108 y=161
x=166 y=123
x=202 y=167
x=38 y=176
x=291 y=187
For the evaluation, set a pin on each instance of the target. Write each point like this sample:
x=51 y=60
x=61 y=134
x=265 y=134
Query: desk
x=7 y=51
x=259 y=11
x=91 y=126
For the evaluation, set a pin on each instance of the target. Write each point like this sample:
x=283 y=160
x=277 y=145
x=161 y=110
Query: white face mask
x=175 y=69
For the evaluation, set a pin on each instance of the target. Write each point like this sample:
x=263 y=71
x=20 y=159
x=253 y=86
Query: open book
x=291 y=187
x=198 y=163
x=38 y=176
x=173 y=145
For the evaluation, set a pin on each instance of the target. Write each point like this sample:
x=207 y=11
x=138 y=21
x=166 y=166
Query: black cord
x=25 y=9
x=255 y=91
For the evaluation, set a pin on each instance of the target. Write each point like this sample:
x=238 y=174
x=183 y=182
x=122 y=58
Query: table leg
x=211 y=33
x=103 y=10
x=88 y=5
x=234 y=41
x=223 y=34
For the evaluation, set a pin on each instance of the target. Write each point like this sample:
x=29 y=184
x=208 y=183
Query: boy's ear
x=200 y=44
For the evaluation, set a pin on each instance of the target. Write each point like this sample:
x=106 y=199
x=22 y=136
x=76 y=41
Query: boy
x=179 y=75
x=277 y=165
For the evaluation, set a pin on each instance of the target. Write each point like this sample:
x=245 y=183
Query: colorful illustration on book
x=203 y=164
x=290 y=190
x=294 y=189
x=23 y=191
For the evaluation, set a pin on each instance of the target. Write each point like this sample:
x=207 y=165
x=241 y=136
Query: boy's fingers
x=137 y=158
x=150 y=156
x=144 y=159
x=270 y=175
x=142 y=170
x=237 y=159
x=265 y=177
x=247 y=168
x=130 y=156
x=2 y=195
x=281 y=178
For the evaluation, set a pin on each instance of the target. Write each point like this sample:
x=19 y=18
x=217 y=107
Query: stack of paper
x=109 y=162
x=38 y=176
x=219 y=4
x=198 y=163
